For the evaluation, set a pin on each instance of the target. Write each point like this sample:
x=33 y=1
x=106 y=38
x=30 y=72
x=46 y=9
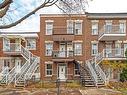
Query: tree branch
x=5 y=3
x=46 y=4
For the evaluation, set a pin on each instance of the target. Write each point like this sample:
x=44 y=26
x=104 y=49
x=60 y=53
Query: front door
x=108 y=50
x=18 y=65
x=62 y=52
x=62 y=73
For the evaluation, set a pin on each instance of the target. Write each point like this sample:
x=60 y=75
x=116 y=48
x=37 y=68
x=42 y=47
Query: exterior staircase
x=27 y=70
x=85 y=77
x=21 y=80
x=99 y=77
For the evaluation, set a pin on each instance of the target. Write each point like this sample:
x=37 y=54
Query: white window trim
x=94 y=42
x=46 y=33
x=81 y=49
x=71 y=26
x=35 y=43
x=49 y=20
x=46 y=49
x=78 y=21
x=92 y=28
x=48 y=62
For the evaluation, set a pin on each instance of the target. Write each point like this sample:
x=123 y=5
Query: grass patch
x=73 y=84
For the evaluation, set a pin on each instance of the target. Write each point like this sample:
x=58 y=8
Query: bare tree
x=67 y=6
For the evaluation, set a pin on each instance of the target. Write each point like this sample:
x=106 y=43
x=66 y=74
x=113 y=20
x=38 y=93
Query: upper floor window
x=31 y=44
x=122 y=27
x=48 y=49
x=70 y=27
x=78 y=48
x=49 y=28
x=94 y=28
x=78 y=28
x=94 y=48
x=108 y=27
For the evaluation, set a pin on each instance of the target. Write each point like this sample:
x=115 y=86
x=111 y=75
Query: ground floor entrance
x=62 y=72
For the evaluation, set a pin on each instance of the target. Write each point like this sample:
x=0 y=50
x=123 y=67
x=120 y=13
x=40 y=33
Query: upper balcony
x=63 y=34
x=112 y=32
x=12 y=48
x=63 y=55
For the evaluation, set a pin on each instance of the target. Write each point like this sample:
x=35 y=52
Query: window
x=49 y=49
x=69 y=27
x=78 y=49
x=78 y=28
x=108 y=27
x=31 y=44
x=122 y=27
x=94 y=48
x=49 y=28
x=49 y=69
x=94 y=28
x=117 y=48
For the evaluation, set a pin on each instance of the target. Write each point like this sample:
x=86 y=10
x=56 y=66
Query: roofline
x=107 y=15
x=18 y=32
x=61 y=15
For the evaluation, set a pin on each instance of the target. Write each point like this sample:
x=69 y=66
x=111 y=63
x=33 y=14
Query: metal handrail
x=114 y=29
x=92 y=71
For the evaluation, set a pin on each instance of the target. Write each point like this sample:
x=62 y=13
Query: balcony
x=60 y=34
x=63 y=55
x=111 y=33
x=12 y=48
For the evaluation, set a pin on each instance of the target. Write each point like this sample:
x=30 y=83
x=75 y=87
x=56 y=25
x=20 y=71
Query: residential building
x=66 y=48
x=84 y=39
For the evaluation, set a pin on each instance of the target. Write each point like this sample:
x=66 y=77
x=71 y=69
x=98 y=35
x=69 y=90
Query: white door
x=125 y=48
x=69 y=50
x=108 y=50
x=17 y=44
x=6 y=44
x=62 y=73
x=62 y=52
x=117 y=49
x=18 y=65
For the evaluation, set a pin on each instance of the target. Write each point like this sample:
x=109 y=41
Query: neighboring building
x=19 y=57
x=65 y=43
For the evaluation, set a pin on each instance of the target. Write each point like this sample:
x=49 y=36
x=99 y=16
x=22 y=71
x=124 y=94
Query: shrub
x=123 y=75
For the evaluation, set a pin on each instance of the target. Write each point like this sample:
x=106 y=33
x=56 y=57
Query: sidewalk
x=52 y=91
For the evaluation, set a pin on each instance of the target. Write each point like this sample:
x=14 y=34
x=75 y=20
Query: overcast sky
x=32 y=23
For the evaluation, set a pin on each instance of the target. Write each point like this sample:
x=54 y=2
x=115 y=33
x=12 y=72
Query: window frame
x=77 y=50
x=78 y=28
x=70 y=27
x=93 y=49
x=47 y=28
x=48 y=70
x=48 y=50
x=29 y=40
x=94 y=24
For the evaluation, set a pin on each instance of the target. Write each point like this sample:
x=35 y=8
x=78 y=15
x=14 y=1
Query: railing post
x=29 y=57
x=95 y=63
x=103 y=53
